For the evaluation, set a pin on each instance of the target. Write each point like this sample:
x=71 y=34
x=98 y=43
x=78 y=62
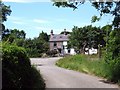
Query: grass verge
x=82 y=63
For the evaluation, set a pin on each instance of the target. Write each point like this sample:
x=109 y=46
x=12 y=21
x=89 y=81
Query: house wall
x=59 y=45
x=65 y=43
x=72 y=51
x=92 y=51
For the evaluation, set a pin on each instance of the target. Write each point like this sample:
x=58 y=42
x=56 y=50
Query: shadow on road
x=107 y=81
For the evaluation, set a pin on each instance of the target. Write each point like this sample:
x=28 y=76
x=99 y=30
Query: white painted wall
x=66 y=51
x=65 y=43
x=72 y=51
x=91 y=51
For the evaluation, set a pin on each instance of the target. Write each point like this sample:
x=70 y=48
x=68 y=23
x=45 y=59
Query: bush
x=115 y=70
x=52 y=52
x=16 y=69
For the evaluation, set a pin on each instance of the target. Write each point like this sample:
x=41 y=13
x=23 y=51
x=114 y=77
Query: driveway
x=56 y=77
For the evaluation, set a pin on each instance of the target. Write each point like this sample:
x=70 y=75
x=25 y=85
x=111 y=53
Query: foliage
x=114 y=43
x=13 y=35
x=94 y=19
x=113 y=54
x=87 y=36
x=66 y=32
x=5 y=11
x=115 y=69
x=35 y=47
x=43 y=36
x=100 y=68
x=52 y=53
x=17 y=71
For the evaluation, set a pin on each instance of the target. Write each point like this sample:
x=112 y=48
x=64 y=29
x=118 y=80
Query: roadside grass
x=83 y=63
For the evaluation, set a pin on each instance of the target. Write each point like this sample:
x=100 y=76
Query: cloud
x=40 y=21
x=26 y=1
x=18 y=22
x=14 y=18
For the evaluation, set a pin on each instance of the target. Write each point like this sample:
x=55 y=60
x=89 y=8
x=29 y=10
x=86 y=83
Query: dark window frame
x=55 y=44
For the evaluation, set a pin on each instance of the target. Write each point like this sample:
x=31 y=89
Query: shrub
x=16 y=69
x=115 y=69
x=52 y=52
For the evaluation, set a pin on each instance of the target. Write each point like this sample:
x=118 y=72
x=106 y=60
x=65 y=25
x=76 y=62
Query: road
x=56 y=77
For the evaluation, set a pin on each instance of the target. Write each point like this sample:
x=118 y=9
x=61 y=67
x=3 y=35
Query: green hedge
x=17 y=71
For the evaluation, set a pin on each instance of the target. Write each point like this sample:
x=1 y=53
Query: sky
x=35 y=16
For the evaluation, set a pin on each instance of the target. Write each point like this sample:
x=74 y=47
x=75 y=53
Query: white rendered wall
x=72 y=51
x=65 y=43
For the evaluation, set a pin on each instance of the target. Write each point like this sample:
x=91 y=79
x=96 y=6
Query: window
x=55 y=44
x=68 y=50
x=60 y=36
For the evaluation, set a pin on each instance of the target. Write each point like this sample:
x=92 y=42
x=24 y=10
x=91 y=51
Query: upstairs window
x=55 y=44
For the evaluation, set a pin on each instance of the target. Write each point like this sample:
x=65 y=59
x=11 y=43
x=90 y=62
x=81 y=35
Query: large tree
x=86 y=37
x=13 y=35
x=4 y=12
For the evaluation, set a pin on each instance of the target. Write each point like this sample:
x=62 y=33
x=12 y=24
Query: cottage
x=59 y=42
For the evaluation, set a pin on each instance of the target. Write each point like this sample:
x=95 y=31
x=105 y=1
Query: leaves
x=94 y=19
x=87 y=36
x=6 y=11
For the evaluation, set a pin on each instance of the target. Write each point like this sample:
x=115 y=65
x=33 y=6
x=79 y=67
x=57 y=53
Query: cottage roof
x=59 y=37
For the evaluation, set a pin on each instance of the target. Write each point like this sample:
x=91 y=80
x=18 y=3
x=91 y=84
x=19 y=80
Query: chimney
x=51 y=32
x=65 y=32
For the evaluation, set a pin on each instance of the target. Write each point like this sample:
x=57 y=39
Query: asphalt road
x=56 y=77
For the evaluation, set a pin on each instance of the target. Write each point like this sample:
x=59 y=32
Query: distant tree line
x=34 y=47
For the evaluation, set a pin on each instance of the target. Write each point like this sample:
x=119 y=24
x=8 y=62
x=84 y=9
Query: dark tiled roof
x=59 y=37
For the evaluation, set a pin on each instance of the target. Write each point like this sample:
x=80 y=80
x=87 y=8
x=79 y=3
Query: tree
x=67 y=32
x=75 y=39
x=12 y=36
x=106 y=30
x=44 y=36
x=4 y=12
x=37 y=46
x=86 y=37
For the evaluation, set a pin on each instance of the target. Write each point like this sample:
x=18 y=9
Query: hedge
x=17 y=71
